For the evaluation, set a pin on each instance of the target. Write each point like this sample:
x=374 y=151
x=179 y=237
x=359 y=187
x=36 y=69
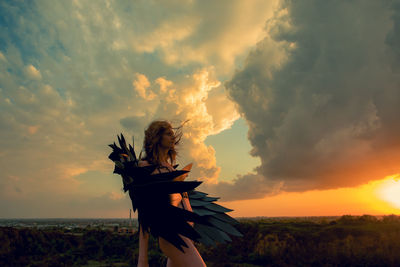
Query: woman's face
x=168 y=138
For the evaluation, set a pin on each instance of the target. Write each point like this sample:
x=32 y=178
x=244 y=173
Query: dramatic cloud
x=321 y=96
x=188 y=99
x=141 y=84
x=200 y=32
x=71 y=80
x=319 y=90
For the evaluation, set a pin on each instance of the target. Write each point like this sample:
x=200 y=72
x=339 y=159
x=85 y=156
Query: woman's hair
x=153 y=137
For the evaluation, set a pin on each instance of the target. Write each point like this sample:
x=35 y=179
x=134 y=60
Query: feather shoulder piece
x=219 y=224
x=149 y=194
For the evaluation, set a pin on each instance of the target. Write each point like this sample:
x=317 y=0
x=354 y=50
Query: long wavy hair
x=153 y=137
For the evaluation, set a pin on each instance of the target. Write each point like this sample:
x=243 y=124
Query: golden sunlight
x=389 y=190
x=378 y=197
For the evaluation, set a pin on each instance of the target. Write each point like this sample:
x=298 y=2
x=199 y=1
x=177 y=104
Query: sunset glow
x=373 y=198
x=389 y=190
x=282 y=118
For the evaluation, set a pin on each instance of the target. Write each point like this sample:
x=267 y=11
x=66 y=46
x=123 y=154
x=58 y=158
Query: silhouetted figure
x=163 y=199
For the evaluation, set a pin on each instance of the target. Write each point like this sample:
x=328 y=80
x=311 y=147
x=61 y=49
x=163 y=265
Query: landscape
x=302 y=241
x=269 y=126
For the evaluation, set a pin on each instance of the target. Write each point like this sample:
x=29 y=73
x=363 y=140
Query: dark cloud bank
x=327 y=116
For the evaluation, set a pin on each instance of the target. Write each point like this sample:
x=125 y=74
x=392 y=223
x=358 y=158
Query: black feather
x=150 y=196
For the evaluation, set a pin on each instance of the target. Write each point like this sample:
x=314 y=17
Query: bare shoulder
x=143 y=163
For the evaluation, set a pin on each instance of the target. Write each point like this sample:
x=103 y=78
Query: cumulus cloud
x=70 y=80
x=248 y=186
x=319 y=92
x=193 y=33
x=166 y=34
x=187 y=99
x=320 y=95
x=141 y=85
x=164 y=84
x=33 y=73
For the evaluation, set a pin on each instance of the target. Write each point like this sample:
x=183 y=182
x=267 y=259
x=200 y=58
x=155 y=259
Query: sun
x=389 y=190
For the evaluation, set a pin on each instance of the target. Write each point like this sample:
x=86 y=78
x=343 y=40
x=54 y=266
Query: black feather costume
x=150 y=197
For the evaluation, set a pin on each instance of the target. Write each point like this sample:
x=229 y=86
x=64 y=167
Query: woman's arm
x=185 y=197
x=143 y=248
x=186 y=203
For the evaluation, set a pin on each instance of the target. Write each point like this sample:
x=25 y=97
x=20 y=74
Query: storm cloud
x=75 y=74
x=321 y=94
x=316 y=81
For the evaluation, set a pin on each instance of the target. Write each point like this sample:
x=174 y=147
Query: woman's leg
x=176 y=258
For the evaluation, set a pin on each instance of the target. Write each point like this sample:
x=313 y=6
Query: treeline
x=347 y=241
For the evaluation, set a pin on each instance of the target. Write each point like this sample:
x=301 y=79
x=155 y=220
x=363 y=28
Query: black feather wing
x=150 y=197
x=219 y=224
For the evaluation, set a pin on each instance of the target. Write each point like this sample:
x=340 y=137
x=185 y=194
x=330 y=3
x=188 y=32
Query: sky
x=292 y=105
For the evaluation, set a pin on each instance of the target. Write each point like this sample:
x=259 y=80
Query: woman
x=159 y=143
x=161 y=197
